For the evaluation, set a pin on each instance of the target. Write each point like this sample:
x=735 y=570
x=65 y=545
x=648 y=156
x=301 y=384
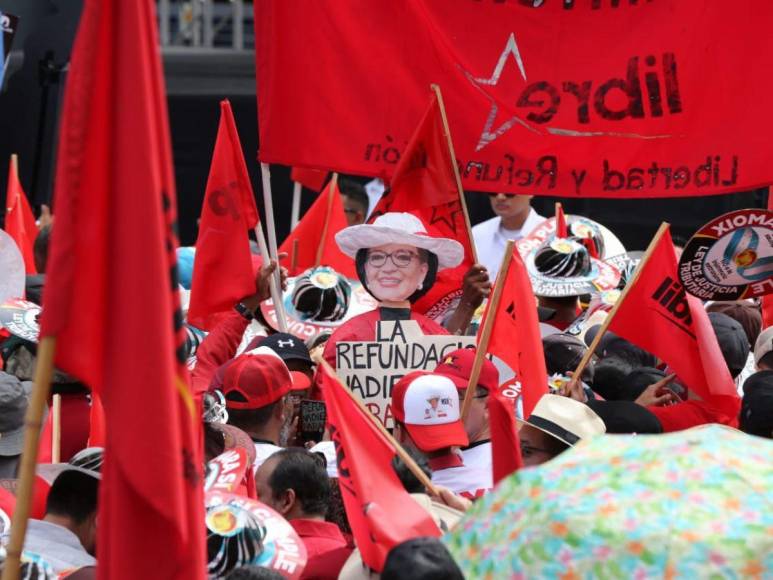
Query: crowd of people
x=254 y=386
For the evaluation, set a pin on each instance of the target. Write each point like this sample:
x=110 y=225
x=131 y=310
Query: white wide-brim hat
x=399 y=228
x=567 y=420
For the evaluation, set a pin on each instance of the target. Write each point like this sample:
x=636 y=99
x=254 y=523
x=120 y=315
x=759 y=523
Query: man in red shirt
x=294 y=482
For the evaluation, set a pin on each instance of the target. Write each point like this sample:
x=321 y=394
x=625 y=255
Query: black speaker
x=31 y=95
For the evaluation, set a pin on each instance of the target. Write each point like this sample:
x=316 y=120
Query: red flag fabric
x=561 y=230
x=424 y=184
x=589 y=98
x=380 y=511
x=505 y=444
x=316 y=229
x=96 y=422
x=111 y=295
x=767 y=301
x=311 y=178
x=516 y=338
x=19 y=219
x=660 y=317
x=222 y=270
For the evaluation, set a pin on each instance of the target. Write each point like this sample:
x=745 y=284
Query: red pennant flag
x=505 y=444
x=96 y=422
x=424 y=184
x=111 y=296
x=313 y=179
x=561 y=230
x=380 y=511
x=660 y=317
x=316 y=236
x=516 y=338
x=19 y=219
x=767 y=301
x=222 y=270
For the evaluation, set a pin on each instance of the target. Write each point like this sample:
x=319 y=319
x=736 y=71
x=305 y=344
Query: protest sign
x=282 y=549
x=602 y=98
x=226 y=471
x=731 y=257
x=313 y=418
x=20 y=318
x=371 y=368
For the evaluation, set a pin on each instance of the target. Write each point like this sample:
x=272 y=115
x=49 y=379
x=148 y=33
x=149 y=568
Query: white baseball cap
x=428 y=405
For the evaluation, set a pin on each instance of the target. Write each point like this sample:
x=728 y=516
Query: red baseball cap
x=428 y=405
x=457 y=366
x=258 y=378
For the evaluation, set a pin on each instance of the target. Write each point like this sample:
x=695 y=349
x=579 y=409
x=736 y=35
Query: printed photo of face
x=394 y=271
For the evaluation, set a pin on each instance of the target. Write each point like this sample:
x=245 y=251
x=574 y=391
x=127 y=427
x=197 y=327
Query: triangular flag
x=515 y=337
x=112 y=256
x=562 y=231
x=424 y=184
x=19 y=219
x=505 y=444
x=380 y=511
x=316 y=236
x=658 y=315
x=222 y=270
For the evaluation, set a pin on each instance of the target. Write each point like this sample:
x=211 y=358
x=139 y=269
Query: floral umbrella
x=693 y=504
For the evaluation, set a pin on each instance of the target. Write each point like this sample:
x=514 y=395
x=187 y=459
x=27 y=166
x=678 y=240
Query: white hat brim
x=450 y=253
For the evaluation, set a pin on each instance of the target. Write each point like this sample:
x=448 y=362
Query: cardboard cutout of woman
x=397 y=262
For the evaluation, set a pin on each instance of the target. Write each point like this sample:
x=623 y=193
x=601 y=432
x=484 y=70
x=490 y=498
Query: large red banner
x=608 y=98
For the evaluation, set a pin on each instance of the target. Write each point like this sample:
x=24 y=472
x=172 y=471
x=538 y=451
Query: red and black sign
x=599 y=98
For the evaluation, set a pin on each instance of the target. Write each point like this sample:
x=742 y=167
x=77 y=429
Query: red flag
x=424 y=185
x=594 y=98
x=316 y=236
x=19 y=219
x=312 y=178
x=561 y=230
x=660 y=317
x=767 y=301
x=505 y=444
x=96 y=422
x=516 y=338
x=380 y=511
x=111 y=295
x=222 y=270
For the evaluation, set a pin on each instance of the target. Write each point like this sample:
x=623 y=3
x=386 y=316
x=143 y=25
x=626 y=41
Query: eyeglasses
x=401 y=258
x=528 y=451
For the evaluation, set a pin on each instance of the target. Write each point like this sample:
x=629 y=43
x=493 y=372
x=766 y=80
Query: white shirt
x=491 y=237
x=474 y=478
x=262 y=452
x=57 y=546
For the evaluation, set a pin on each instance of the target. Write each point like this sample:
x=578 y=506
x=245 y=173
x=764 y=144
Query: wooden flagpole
x=270 y=251
x=608 y=320
x=296 y=208
x=458 y=177
x=33 y=421
x=488 y=325
x=407 y=459
x=332 y=190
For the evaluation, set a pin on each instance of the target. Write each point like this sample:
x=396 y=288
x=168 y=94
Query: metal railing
x=214 y=24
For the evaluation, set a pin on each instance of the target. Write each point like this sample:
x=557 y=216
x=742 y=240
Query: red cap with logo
x=457 y=366
x=258 y=378
x=428 y=405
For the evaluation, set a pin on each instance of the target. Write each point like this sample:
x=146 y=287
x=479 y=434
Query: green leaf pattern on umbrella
x=697 y=503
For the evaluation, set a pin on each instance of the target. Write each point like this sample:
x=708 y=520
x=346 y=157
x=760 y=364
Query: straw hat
x=565 y=419
x=399 y=228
